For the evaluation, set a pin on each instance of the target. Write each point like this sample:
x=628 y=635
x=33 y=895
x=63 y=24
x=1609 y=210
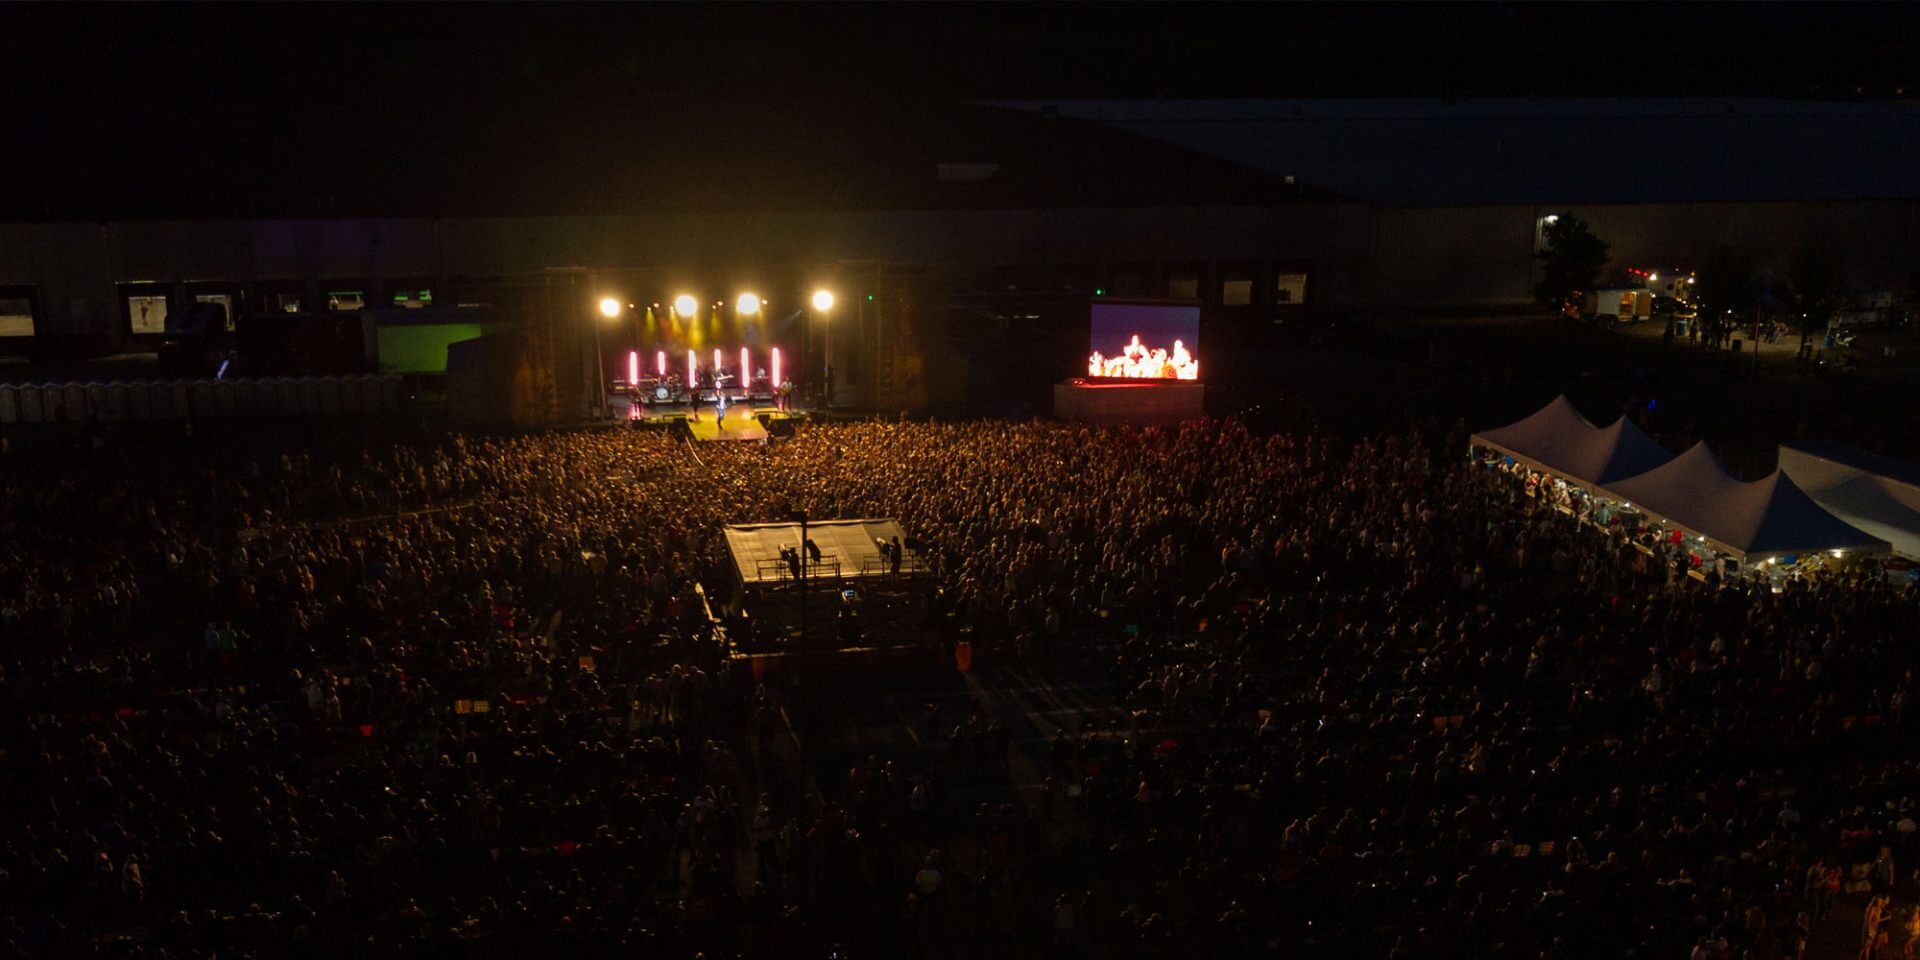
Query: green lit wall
x=420 y=347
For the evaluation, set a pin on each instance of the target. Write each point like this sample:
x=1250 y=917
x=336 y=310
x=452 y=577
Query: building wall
x=1386 y=256
x=1447 y=256
x=76 y=266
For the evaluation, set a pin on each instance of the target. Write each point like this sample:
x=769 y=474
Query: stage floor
x=739 y=425
x=742 y=421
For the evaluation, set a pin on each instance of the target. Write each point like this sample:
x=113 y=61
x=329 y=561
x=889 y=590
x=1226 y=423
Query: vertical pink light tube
x=693 y=367
x=660 y=360
x=633 y=369
x=716 y=363
x=776 y=368
x=746 y=368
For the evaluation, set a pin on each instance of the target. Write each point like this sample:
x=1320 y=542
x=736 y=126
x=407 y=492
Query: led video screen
x=1152 y=341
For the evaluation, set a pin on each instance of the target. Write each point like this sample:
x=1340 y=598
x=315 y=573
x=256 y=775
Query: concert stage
x=744 y=420
x=1100 y=400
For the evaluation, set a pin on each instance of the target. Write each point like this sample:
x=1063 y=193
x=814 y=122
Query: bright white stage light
x=747 y=305
x=823 y=299
x=609 y=307
x=685 y=305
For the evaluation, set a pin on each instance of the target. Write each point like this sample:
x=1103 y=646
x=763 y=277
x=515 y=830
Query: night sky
x=341 y=109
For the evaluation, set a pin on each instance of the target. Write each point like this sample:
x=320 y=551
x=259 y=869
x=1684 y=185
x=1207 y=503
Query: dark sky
x=351 y=52
x=338 y=108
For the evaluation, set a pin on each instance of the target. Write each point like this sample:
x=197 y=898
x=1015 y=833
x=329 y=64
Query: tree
x=1724 y=290
x=1817 y=287
x=1569 y=262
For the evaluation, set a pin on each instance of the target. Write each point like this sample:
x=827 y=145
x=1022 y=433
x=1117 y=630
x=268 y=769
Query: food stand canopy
x=1877 y=494
x=1558 y=440
x=1750 y=520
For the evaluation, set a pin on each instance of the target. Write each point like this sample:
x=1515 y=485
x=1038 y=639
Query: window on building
x=411 y=293
x=280 y=296
x=17 y=311
x=1189 y=280
x=339 y=301
x=148 y=312
x=222 y=300
x=1290 y=288
x=144 y=307
x=1074 y=277
x=1130 y=280
x=1236 y=293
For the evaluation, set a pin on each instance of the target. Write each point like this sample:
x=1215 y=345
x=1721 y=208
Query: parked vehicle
x=1664 y=305
x=1619 y=305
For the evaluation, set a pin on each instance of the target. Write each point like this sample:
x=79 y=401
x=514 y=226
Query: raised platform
x=848 y=549
x=1138 y=402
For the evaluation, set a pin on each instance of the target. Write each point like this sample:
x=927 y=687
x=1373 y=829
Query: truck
x=1618 y=305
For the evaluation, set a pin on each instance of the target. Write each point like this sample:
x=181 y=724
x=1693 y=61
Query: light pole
x=822 y=303
x=610 y=309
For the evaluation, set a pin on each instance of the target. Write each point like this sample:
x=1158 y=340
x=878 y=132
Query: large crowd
x=1365 y=698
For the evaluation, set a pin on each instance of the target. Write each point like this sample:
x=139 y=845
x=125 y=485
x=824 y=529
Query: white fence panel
x=119 y=401
x=77 y=403
x=33 y=403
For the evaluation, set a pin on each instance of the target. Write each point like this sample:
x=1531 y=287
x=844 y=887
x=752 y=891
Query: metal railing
x=780 y=570
x=881 y=566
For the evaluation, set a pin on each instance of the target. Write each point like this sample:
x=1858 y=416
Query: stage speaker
x=778 y=427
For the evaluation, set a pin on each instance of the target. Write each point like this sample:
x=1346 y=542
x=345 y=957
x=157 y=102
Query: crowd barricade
x=329 y=396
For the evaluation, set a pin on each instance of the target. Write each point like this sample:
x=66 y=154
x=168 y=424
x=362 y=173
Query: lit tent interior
x=1751 y=520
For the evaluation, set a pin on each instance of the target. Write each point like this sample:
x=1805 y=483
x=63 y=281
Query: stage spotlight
x=609 y=307
x=747 y=305
x=823 y=299
x=685 y=305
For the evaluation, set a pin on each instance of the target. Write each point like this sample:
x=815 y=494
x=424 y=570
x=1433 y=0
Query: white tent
x=1558 y=440
x=1763 y=518
x=1877 y=494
